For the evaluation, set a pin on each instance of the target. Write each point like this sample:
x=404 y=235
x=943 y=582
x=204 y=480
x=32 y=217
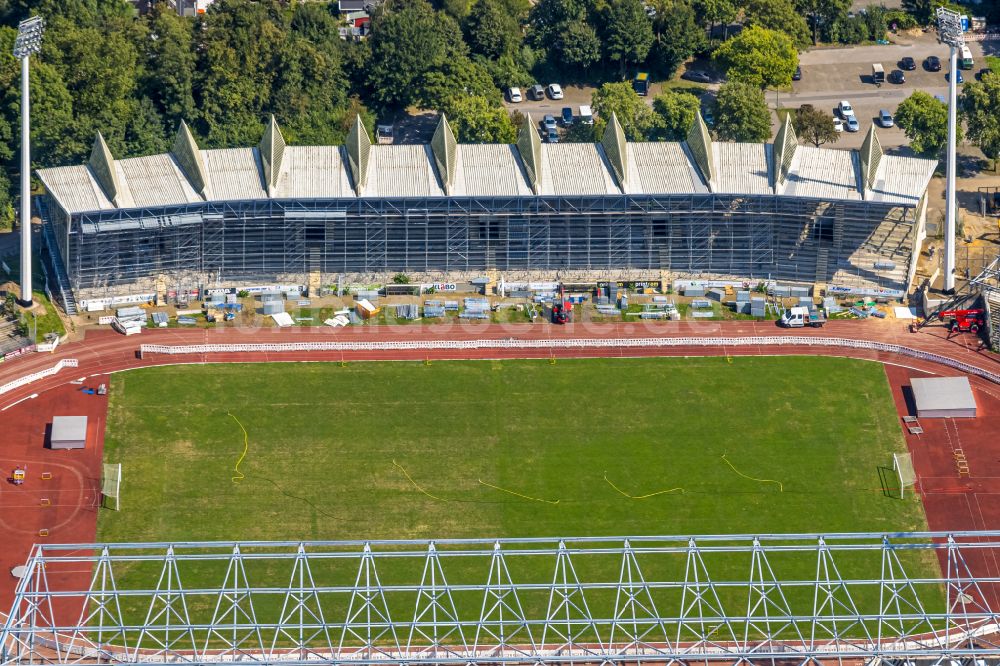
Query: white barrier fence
x=571 y=343
x=41 y=374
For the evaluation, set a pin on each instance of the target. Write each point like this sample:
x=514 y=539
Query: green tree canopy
x=676 y=35
x=741 y=113
x=676 y=111
x=814 y=126
x=579 y=46
x=758 y=56
x=409 y=40
x=636 y=118
x=979 y=104
x=924 y=120
x=822 y=12
x=628 y=32
x=712 y=12
x=781 y=16
x=170 y=65
x=478 y=120
x=490 y=29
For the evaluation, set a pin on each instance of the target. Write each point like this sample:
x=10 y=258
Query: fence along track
x=572 y=343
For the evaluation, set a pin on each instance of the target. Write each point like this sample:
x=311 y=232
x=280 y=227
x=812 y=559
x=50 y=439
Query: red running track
x=950 y=502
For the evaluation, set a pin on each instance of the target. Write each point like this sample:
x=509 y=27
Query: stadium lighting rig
x=950 y=33
x=28 y=42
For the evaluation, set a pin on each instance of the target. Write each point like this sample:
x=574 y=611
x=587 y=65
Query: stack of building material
x=451 y=306
x=433 y=309
x=273 y=306
x=365 y=308
x=692 y=290
x=407 y=311
x=160 y=319
x=758 y=306
x=717 y=294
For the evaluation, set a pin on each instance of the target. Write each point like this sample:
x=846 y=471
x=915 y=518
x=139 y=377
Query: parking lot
x=830 y=75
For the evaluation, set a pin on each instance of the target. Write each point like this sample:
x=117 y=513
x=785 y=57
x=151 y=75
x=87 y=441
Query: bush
x=401 y=278
x=902 y=20
x=242 y=293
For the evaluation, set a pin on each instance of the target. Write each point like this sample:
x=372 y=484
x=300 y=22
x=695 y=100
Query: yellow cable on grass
x=246 y=446
x=781 y=487
x=639 y=497
x=415 y=484
x=511 y=492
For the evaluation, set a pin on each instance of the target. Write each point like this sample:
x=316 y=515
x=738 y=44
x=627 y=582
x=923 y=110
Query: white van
x=965 y=60
x=586 y=115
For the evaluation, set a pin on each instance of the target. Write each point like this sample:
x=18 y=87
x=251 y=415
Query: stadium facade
x=648 y=210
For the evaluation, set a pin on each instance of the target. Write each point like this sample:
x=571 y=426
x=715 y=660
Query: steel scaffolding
x=725 y=598
x=758 y=236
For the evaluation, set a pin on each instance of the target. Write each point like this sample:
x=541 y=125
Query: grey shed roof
x=396 y=171
x=69 y=429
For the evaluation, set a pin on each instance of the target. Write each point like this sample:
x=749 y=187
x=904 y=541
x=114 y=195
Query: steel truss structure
x=759 y=236
x=726 y=599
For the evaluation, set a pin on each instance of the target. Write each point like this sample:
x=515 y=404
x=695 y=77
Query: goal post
x=110 y=486
x=902 y=464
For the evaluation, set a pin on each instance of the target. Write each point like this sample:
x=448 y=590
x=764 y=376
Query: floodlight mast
x=28 y=42
x=950 y=33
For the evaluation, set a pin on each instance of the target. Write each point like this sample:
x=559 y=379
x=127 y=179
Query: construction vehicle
x=641 y=83
x=562 y=313
x=964 y=321
x=798 y=317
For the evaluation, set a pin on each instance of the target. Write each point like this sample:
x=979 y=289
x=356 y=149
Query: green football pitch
x=598 y=447
x=511 y=448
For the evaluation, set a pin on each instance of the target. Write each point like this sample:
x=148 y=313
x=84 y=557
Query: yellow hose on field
x=639 y=497
x=511 y=492
x=246 y=446
x=415 y=484
x=781 y=487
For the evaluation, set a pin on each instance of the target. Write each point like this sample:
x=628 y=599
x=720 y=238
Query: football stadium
x=304 y=215
x=502 y=496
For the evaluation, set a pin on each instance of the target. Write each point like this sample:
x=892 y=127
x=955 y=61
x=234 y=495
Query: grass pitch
x=511 y=448
x=508 y=449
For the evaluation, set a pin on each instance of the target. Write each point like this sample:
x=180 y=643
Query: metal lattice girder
x=716 y=598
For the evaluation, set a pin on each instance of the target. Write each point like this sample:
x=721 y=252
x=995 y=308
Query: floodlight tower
x=950 y=33
x=29 y=41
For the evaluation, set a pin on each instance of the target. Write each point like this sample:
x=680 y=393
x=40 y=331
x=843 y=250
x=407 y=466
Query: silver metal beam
x=719 y=598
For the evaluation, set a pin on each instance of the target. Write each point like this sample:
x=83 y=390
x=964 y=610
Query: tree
x=758 y=56
x=457 y=77
x=781 y=16
x=628 y=32
x=409 y=40
x=924 y=120
x=814 y=126
x=578 y=46
x=170 y=65
x=676 y=35
x=477 y=120
x=549 y=18
x=979 y=103
x=712 y=12
x=676 y=111
x=490 y=30
x=636 y=118
x=741 y=114
x=822 y=12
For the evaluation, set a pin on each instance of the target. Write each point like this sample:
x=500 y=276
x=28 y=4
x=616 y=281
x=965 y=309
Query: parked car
x=548 y=122
x=555 y=91
x=708 y=117
x=514 y=95
x=896 y=76
x=932 y=64
x=845 y=109
x=852 y=124
x=696 y=76
x=536 y=92
x=567 y=116
x=797 y=76
x=838 y=124
x=885 y=118
x=551 y=136
x=908 y=63
x=586 y=114
x=958 y=78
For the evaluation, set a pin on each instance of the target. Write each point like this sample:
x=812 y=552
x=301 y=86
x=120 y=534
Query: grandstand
x=304 y=214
